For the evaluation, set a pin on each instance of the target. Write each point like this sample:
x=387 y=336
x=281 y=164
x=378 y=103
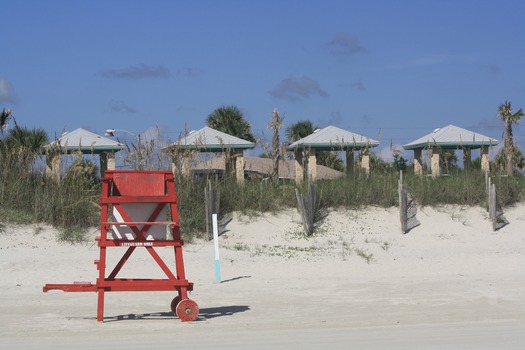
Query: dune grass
x=72 y=204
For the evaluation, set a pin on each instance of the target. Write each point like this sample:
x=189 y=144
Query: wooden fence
x=307 y=207
x=407 y=207
x=495 y=211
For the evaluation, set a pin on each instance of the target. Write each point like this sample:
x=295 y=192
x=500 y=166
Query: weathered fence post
x=492 y=206
x=307 y=205
x=495 y=213
x=407 y=207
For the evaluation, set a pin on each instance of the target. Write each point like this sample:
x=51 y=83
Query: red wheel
x=187 y=310
x=174 y=304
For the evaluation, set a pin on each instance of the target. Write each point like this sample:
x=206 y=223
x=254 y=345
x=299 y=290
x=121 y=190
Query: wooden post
x=492 y=209
x=111 y=161
x=403 y=208
x=239 y=167
x=103 y=163
x=467 y=158
x=365 y=163
x=485 y=163
x=307 y=207
x=312 y=165
x=349 y=161
x=299 y=168
x=436 y=168
x=107 y=162
x=418 y=165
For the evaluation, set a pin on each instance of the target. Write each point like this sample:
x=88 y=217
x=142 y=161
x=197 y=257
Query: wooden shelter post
x=112 y=165
x=107 y=162
x=365 y=162
x=103 y=163
x=485 y=163
x=239 y=166
x=312 y=164
x=229 y=163
x=418 y=164
x=299 y=169
x=467 y=158
x=349 y=161
x=435 y=166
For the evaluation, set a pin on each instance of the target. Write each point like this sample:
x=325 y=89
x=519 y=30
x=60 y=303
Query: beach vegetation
x=509 y=117
x=231 y=120
x=368 y=257
x=28 y=196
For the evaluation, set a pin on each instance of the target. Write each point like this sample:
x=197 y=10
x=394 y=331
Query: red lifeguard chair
x=138 y=208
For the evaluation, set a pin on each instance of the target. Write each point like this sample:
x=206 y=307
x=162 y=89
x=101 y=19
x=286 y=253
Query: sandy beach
x=450 y=283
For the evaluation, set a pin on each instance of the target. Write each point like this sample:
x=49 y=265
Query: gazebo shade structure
x=210 y=140
x=450 y=137
x=330 y=138
x=83 y=141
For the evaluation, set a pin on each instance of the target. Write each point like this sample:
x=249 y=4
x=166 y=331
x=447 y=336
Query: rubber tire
x=174 y=304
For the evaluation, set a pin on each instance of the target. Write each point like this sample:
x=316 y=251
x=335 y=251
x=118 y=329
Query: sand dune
x=359 y=282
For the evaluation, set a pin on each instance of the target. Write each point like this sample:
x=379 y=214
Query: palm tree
x=4 y=116
x=230 y=119
x=506 y=114
x=299 y=130
x=500 y=160
x=26 y=143
x=31 y=140
x=275 y=125
x=304 y=128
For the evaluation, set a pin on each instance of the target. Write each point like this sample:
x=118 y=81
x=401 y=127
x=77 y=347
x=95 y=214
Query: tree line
x=231 y=120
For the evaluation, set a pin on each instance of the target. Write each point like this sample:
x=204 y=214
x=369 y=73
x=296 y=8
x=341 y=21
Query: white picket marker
x=216 y=247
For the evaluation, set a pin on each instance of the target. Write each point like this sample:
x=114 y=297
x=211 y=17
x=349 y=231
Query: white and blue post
x=216 y=247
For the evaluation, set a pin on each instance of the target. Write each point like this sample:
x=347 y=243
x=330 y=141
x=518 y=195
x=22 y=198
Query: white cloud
x=7 y=93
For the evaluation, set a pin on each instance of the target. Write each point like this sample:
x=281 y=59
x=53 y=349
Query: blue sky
x=390 y=70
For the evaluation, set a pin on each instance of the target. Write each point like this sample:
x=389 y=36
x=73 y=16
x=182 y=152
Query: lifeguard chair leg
x=100 y=306
x=101 y=266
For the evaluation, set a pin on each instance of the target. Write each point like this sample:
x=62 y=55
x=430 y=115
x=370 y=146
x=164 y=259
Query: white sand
x=358 y=283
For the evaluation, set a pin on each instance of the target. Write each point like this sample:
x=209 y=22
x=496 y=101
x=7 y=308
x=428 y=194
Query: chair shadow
x=204 y=314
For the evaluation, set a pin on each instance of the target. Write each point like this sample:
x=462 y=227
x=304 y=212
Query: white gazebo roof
x=452 y=136
x=333 y=138
x=86 y=142
x=210 y=140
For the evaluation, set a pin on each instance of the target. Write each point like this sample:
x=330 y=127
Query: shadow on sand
x=204 y=314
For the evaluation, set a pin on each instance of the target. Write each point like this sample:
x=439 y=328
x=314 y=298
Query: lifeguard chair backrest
x=139 y=183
